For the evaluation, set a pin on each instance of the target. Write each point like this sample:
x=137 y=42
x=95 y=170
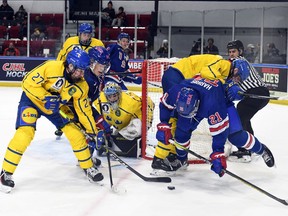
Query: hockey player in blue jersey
x=190 y=102
x=119 y=62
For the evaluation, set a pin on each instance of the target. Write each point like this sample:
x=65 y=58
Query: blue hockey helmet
x=123 y=35
x=85 y=28
x=99 y=54
x=187 y=102
x=78 y=58
x=243 y=69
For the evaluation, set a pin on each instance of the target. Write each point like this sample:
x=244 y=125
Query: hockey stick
x=285 y=202
x=107 y=152
x=153 y=84
x=263 y=97
x=148 y=179
x=123 y=73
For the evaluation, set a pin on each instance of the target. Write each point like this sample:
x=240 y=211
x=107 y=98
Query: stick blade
x=158 y=179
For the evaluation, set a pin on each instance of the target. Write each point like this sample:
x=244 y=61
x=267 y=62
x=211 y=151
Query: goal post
x=152 y=72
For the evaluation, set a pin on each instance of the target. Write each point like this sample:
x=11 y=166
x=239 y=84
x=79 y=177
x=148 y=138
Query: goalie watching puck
x=171 y=187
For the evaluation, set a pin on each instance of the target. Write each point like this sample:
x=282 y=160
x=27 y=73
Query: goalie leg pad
x=125 y=147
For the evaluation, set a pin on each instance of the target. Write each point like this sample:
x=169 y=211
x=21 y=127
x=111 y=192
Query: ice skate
x=7 y=184
x=162 y=167
x=268 y=157
x=93 y=174
x=240 y=156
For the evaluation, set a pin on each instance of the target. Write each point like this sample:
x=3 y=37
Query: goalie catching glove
x=218 y=161
x=164 y=133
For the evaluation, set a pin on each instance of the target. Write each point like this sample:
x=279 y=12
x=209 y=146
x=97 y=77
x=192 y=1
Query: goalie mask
x=112 y=93
x=187 y=102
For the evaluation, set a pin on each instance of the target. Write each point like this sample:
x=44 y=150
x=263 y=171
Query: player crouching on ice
x=122 y=110
x=190 y=102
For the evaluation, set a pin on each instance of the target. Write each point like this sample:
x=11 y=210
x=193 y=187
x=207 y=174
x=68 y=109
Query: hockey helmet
x=123 y=35
x=99 y=54
x=187 y=102
x=87 y=29
x=78 y=58
x=112 y=92
x=236 y=44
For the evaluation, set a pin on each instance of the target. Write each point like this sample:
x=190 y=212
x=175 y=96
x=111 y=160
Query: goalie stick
x=263 y=97
x=285 y=202
x=147 y=179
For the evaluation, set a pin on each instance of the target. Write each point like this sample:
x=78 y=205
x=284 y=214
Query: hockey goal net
x=152 y=71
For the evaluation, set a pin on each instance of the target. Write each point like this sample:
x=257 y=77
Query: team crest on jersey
x=118 y=113
x=29 y=116
x=71 y=91
x=58 y=84
x=105 y=108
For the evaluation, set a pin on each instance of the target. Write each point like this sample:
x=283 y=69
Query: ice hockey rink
x=48 y=182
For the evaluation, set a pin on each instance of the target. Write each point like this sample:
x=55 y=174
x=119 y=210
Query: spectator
x=196 y=49
x=6 y=11
x=38 y=29
x=250 y=54
x=107 y=15
x=163 y=50
x=273 y=56
x=211 y=48
x=23 y=29
x=21 y=14
x=11 y=50
x=37 y=35
x=120 y=18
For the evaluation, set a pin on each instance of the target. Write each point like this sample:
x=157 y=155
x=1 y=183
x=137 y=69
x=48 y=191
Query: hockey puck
x=171 y=187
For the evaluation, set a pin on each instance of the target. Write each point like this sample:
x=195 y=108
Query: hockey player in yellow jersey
x=123 y=111
x=83 y=41
x=210 y=66
x=46 y=89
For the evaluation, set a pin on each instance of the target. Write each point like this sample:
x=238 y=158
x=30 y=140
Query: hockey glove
x=163 y=133
x=103 y=125
x=233 y=91
x=52 y=103
x=243 y=69
x=100 y=138
x=218 y=161
x=90 y=140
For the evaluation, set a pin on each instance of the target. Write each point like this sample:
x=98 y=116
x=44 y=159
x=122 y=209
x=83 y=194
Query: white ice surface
x=48 y=182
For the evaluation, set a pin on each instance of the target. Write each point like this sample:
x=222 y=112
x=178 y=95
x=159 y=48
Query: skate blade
x=157 y=172
x=5 y=189
x=58 y=137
